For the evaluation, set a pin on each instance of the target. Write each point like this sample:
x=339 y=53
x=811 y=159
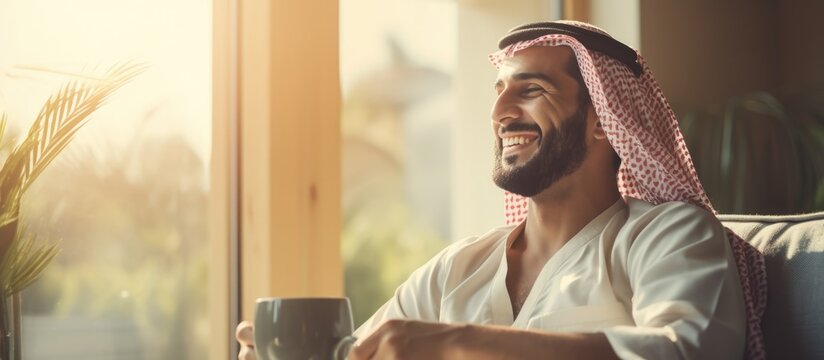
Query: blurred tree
x=395 y=200
x=133 y=225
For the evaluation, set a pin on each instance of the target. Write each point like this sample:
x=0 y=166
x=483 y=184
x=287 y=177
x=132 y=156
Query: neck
x=562 y=210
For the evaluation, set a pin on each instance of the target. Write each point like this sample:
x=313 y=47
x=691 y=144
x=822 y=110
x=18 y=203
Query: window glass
x=128 y=198
x=397 y=63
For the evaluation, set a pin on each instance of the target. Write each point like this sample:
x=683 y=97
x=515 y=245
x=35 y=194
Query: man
x=619 y=254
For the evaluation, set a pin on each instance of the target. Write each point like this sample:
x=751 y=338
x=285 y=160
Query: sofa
x=794 y=249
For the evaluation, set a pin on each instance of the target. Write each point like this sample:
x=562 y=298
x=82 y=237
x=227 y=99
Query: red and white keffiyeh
x=655 y=164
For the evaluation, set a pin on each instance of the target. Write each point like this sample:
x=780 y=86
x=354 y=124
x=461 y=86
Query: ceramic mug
x=303 y=328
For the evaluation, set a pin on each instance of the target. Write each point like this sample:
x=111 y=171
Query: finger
x=367 y=348
x=245 y=333
x=356 y=353
x=247 y=353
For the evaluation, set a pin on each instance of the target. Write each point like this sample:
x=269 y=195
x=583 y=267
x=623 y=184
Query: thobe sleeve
x=687 y=301
x=417 y=298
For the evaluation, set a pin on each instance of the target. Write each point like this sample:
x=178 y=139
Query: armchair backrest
x=794 y=250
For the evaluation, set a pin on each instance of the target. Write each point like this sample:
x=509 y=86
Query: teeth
x=517 y=140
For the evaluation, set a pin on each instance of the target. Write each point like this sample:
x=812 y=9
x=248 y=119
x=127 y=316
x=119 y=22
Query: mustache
x=519 y=127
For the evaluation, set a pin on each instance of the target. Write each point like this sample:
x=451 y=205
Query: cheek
x=547 y=112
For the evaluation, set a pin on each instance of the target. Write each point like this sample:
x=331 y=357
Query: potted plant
x=22 y=256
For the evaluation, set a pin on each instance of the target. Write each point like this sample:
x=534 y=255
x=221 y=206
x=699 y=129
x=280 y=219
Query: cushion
x=794 y=250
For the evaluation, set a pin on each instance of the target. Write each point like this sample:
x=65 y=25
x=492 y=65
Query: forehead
x=548 y=60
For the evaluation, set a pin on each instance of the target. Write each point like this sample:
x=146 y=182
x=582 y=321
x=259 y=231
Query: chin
x=515 y=161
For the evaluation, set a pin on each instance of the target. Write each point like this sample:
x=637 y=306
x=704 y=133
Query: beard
x=560 y=153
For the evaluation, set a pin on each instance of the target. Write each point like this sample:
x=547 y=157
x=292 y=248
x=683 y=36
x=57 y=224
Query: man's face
x=538 y=119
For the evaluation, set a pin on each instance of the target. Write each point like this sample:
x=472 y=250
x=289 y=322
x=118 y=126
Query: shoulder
x=659 y=229
x=467 y=256
x=646 y=217
x=477 y=245
x=642 y=212
x=468 y=252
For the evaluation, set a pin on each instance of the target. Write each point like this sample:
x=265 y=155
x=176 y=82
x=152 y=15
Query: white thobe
x=659 y=281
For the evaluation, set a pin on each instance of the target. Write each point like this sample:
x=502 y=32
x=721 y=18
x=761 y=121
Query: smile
x=514 y=143
x=516 y=140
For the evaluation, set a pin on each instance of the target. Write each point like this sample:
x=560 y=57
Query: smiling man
x=613 y=249
x=527 y=162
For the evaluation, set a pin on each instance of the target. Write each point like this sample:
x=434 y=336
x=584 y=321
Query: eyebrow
x=528 y=76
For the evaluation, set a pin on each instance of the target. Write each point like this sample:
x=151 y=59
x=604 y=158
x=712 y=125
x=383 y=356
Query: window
x=398 y=101
x=416 y=146
x=130 y=199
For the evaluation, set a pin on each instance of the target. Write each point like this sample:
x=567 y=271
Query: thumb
x=245 y=333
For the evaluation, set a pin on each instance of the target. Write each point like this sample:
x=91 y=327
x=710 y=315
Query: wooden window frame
x=275 y=171
x=288 y=112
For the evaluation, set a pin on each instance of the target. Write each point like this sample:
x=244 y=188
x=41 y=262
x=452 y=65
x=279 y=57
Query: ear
x=598 y=130
x=599 y=133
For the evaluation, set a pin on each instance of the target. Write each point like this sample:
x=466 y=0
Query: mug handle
x=343 y=347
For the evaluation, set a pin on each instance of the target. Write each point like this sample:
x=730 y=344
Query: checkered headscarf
x=655 y=164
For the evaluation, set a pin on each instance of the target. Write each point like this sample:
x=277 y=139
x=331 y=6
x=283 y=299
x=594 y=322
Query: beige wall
x=618 y=18
x=477 y=204
x=705 y=50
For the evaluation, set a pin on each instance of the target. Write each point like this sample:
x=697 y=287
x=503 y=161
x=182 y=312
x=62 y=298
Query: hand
x=407 y=339
x=245 y=335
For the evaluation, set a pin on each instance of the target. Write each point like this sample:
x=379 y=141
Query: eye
x=533 y=91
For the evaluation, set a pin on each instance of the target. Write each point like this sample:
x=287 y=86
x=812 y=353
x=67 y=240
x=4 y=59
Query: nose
x=505 y=109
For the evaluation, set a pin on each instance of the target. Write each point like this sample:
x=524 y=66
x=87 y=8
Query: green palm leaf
x=24 y=262
x=64 y=114
x=22 y=258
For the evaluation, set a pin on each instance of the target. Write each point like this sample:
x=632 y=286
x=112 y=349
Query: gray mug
x=303 y=328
